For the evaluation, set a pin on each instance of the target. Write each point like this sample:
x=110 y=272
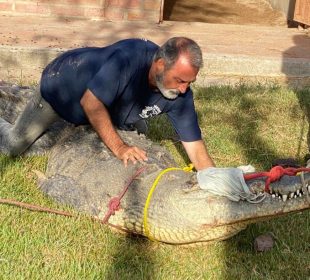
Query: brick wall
x=116 y=10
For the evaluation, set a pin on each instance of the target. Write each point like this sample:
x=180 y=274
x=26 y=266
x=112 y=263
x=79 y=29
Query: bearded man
x=117 y=86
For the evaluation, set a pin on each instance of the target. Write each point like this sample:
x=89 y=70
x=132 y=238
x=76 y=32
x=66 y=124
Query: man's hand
x=100 y=119
x=129 y=153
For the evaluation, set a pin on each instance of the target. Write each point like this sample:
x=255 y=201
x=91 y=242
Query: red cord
x=115 y=202
x=275 y=174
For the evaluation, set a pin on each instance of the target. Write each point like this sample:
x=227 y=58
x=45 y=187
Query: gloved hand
x=228 y=182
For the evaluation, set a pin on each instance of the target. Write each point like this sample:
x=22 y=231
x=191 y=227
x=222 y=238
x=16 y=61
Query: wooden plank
x=302 y=11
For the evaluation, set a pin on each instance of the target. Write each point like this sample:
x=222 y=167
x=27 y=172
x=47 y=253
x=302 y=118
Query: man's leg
x=37 y=116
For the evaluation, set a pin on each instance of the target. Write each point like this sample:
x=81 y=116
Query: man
x=119 y=85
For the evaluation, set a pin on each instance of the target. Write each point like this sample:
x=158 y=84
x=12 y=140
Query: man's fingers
x=133 y=154
x=133 y=159
x=125 y=160
x=140 y=154
x=129 y=157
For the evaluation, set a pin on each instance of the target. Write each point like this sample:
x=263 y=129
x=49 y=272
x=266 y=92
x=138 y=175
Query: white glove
x=228 y=182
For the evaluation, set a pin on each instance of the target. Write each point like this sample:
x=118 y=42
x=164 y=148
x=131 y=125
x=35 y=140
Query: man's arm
x=198 y=154
x=100 y=119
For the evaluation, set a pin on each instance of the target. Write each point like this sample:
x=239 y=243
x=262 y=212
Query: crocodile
x=83 y=173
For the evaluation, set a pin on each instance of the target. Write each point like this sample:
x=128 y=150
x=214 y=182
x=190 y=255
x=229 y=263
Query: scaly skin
x=83 y=173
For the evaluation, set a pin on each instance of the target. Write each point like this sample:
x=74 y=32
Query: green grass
x=241 y=125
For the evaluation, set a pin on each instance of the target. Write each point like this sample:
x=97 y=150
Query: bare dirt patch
x=243 y=12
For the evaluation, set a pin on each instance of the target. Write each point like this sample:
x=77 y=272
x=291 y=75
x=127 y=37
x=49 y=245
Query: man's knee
x=12 y=143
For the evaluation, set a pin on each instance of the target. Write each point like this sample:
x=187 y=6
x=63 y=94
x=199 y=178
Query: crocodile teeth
x=284 y=197
x=297 y=192
x=273 y=196
x=291 y=195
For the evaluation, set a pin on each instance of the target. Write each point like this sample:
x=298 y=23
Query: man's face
x=177 y=79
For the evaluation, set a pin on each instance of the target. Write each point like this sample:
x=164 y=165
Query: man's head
x=176 y=65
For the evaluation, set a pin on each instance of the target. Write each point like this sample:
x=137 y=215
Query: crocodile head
x=182 y=213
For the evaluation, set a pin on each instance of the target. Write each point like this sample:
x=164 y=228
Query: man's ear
x=160 y=64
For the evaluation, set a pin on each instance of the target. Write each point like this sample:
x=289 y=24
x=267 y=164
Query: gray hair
x=174 y=47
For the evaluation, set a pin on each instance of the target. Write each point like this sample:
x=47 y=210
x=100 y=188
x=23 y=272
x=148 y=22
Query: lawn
x=245 y=124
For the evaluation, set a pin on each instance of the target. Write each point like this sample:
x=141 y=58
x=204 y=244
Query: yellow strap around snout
x=188 y=168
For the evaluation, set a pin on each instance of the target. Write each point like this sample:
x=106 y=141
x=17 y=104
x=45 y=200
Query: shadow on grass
x=241 y=256
x=6 y=163
x=245 y=123
x=303 y=96
x=132 y=259
x=240 y=107
x=245 y=107
x=243 y=120
x=295 y=63
x=288 y=255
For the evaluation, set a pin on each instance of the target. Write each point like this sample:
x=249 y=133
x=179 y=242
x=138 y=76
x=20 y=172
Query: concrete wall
x=285 y=6
x=115 y=10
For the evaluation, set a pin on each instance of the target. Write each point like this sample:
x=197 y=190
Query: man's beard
x=168 y=93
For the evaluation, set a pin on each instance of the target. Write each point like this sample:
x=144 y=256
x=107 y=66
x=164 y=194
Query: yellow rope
x=188 y=168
